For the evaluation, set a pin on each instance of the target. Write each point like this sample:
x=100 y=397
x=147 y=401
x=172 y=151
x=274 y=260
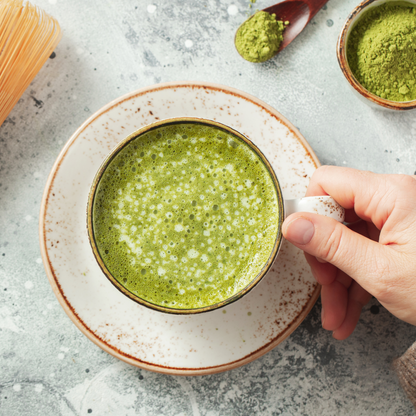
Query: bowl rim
x=125 y=142
x=345 y=68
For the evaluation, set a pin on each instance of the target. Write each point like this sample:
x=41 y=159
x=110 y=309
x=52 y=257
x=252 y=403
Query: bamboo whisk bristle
x=28 y=36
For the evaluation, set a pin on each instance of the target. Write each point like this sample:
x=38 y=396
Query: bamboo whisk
x=28 y=36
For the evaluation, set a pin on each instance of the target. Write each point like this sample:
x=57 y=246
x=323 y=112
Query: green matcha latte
x=185 y=216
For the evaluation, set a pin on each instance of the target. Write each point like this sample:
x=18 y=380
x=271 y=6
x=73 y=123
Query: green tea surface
x=185 y=216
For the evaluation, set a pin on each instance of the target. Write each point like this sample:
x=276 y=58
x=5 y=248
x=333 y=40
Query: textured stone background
x=47 y=367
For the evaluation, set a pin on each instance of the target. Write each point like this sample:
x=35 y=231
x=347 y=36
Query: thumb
x=328 y=239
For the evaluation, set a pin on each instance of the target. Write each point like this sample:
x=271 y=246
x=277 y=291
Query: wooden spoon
x=297 y=12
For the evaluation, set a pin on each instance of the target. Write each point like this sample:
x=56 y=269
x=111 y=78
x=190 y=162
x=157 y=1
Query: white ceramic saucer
x=188 y=345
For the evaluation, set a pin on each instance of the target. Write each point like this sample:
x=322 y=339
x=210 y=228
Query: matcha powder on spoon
x=259 y=38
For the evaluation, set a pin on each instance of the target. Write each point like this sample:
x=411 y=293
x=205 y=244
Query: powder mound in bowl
x=259 y=38
x=381 y=51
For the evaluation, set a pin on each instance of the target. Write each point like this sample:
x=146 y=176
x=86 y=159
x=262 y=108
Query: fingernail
x=300 y=231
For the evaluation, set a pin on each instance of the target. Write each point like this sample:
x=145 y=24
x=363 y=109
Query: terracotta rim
x=345 y=68
x=51 y=274
x=113 y=154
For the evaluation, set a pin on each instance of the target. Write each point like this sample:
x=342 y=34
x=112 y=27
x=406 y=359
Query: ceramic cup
x=372 y=100
x=323 y=205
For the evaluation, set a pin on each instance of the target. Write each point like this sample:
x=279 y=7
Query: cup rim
x=345 y=68
x=125 y=142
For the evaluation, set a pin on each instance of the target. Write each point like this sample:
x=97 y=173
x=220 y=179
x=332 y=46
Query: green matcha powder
x=381 y=51
x=259 y=38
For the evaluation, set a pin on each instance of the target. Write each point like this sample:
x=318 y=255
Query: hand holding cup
x=374 y=256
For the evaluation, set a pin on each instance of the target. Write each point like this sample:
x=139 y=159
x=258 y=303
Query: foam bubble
x=192 y=253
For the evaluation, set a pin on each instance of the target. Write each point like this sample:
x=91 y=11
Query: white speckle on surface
x=52 y=1
x=29 y=285
x=28 y=218
x=74 y=97
x=188 y=390
x=38 y=388
x=37 y=175
x=17 y=387
x=232 y=9
x=7 y=320
x=49 y=305
x=151 y=8
x=61 y=356
x=80 y=51
x=64 y=349
x=189 y=43
x=39 y=260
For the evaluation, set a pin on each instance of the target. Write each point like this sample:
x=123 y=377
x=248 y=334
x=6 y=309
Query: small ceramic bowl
x=366 y=96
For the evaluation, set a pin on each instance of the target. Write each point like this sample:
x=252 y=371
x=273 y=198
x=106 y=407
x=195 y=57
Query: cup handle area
x=322 y=205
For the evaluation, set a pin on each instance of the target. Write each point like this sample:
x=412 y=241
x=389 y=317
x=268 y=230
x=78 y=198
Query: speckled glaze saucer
x=207 y=343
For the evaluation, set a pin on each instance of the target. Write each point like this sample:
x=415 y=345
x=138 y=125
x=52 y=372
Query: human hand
x=374 y=256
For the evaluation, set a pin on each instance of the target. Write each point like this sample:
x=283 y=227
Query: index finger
x=372 y=196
